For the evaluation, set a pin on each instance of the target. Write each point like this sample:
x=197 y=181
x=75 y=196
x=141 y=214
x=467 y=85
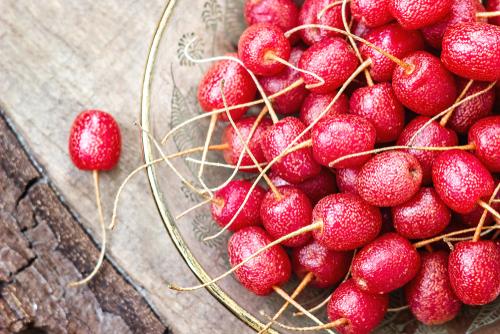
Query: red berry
x=474 y=269
x=434 y=135
x=423 y=216
x=472 y=50
x=337 y=136
x=238 y=87
x=379 y=105
x=281 y=216
x=282 y=13
x=294 y=167
x=416 y=14
x=228 y=200
x=270 y=268
x=493 y=6
x=429 y=295
x=347 y=180
x=309 y=15
x=485 y=135
x=393 y=39
x=461 y=180
x=428 y=89
x=389 y=179
x=472 y=218
x=332 y=59
x=288 y=103
x=373 y=13
x=260 y=41
x=328 y=266
x=364 y=311
x=314 y=104
x=385 y=264
x=94 y=141
x=348 y=222
x=236 y=146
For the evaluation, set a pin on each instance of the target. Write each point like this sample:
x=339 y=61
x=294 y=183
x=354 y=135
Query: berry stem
x=398 y=309
x=100 y=260
x=210 y=131
x=328 y=7
x=223 y=165
x=304 y=144
x=488 y=14
x=451 y=234
x=486 y=206
x=447 y=116
x=315 y=308
x=477 y=233
x=217 y=147
x=330 y=325
x=321 y=81
x=199 y=205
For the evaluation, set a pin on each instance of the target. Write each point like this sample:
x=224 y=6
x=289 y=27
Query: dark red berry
x=416 y=14
x=95 y=141
x=309 y=15
x=347 y=180
x=315 y=104
x=385 y=264
x=373 y=13
x=485 y=135
x=389 y=179
x=282 y=13
x=268 y=269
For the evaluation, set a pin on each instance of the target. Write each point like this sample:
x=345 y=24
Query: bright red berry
x=416 y=14
x=314 y=104
x=373 y=13
x=485 y=135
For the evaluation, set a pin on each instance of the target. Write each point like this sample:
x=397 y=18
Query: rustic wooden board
x=61 y=56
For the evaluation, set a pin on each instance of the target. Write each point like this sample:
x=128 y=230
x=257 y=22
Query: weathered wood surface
x=58 y=57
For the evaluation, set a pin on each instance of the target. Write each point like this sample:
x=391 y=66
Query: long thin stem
x=398 y=309
x=330 y=325
x=488 y=14
x=194 y=207
x=480 y=225
x=315 y=308
x=451 y=234
x=210 y=131
x=447 y=116
x=486 y=206
x=217 y=147
x=223 y=165
x=320 y=82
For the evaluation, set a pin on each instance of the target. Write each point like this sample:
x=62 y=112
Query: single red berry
x=95 y=141
x=294 y=167
x=389 y=178
x=393 y=39
x=236 y=146
x=379 y=105
x=461 y=180
x=433 y=135
x=373 y=13
x=228 y=200
x=474 y=269
x=493 y=6
x=385 y=264
x=309 y=15
x=290 y=102
x=286 y=214
x=315 y=104
x=332 y=59
x=472 y=50
x=423 y=216
x=340 y=135
x=268 y=269
x=238 y=87
x=466 y=114
x=364 y=311
x=328 y=266
x=485 y=135
x=429 y=295
x=428 y=89
x=258 y=44
x=348 y=222
x=347 y=180
x=416 y=14
x=282 y=13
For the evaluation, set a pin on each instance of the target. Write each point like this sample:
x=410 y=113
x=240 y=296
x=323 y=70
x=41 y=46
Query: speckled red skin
x=472 y=50
x=385 y=264
x=238 y=87
x=347 y=180
x=461 y=180
x=257 y=42
x=379 y=105
x=348 y=222
x=466 y=114
x=485 y=134
x=428 y=89
x=236 y=146
x=364 y=311
x=474 y=269
x=94 y=141
x=434 y=135
x=315 y=104
x=416 y=14
x=231 y=197
x=290 y=102
x=472 y=218
x=309 y=15
x=429 y=295
x=389 y=178
x=332 y=59
x=493 y=6
x=282 y=13
x=328 y=266
x=283 y=216
x=340 y=135
x=395 y=40
x=295 y=167
x=373 y=13
x=425 y=215
x=268 y=269
x=461 y=11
